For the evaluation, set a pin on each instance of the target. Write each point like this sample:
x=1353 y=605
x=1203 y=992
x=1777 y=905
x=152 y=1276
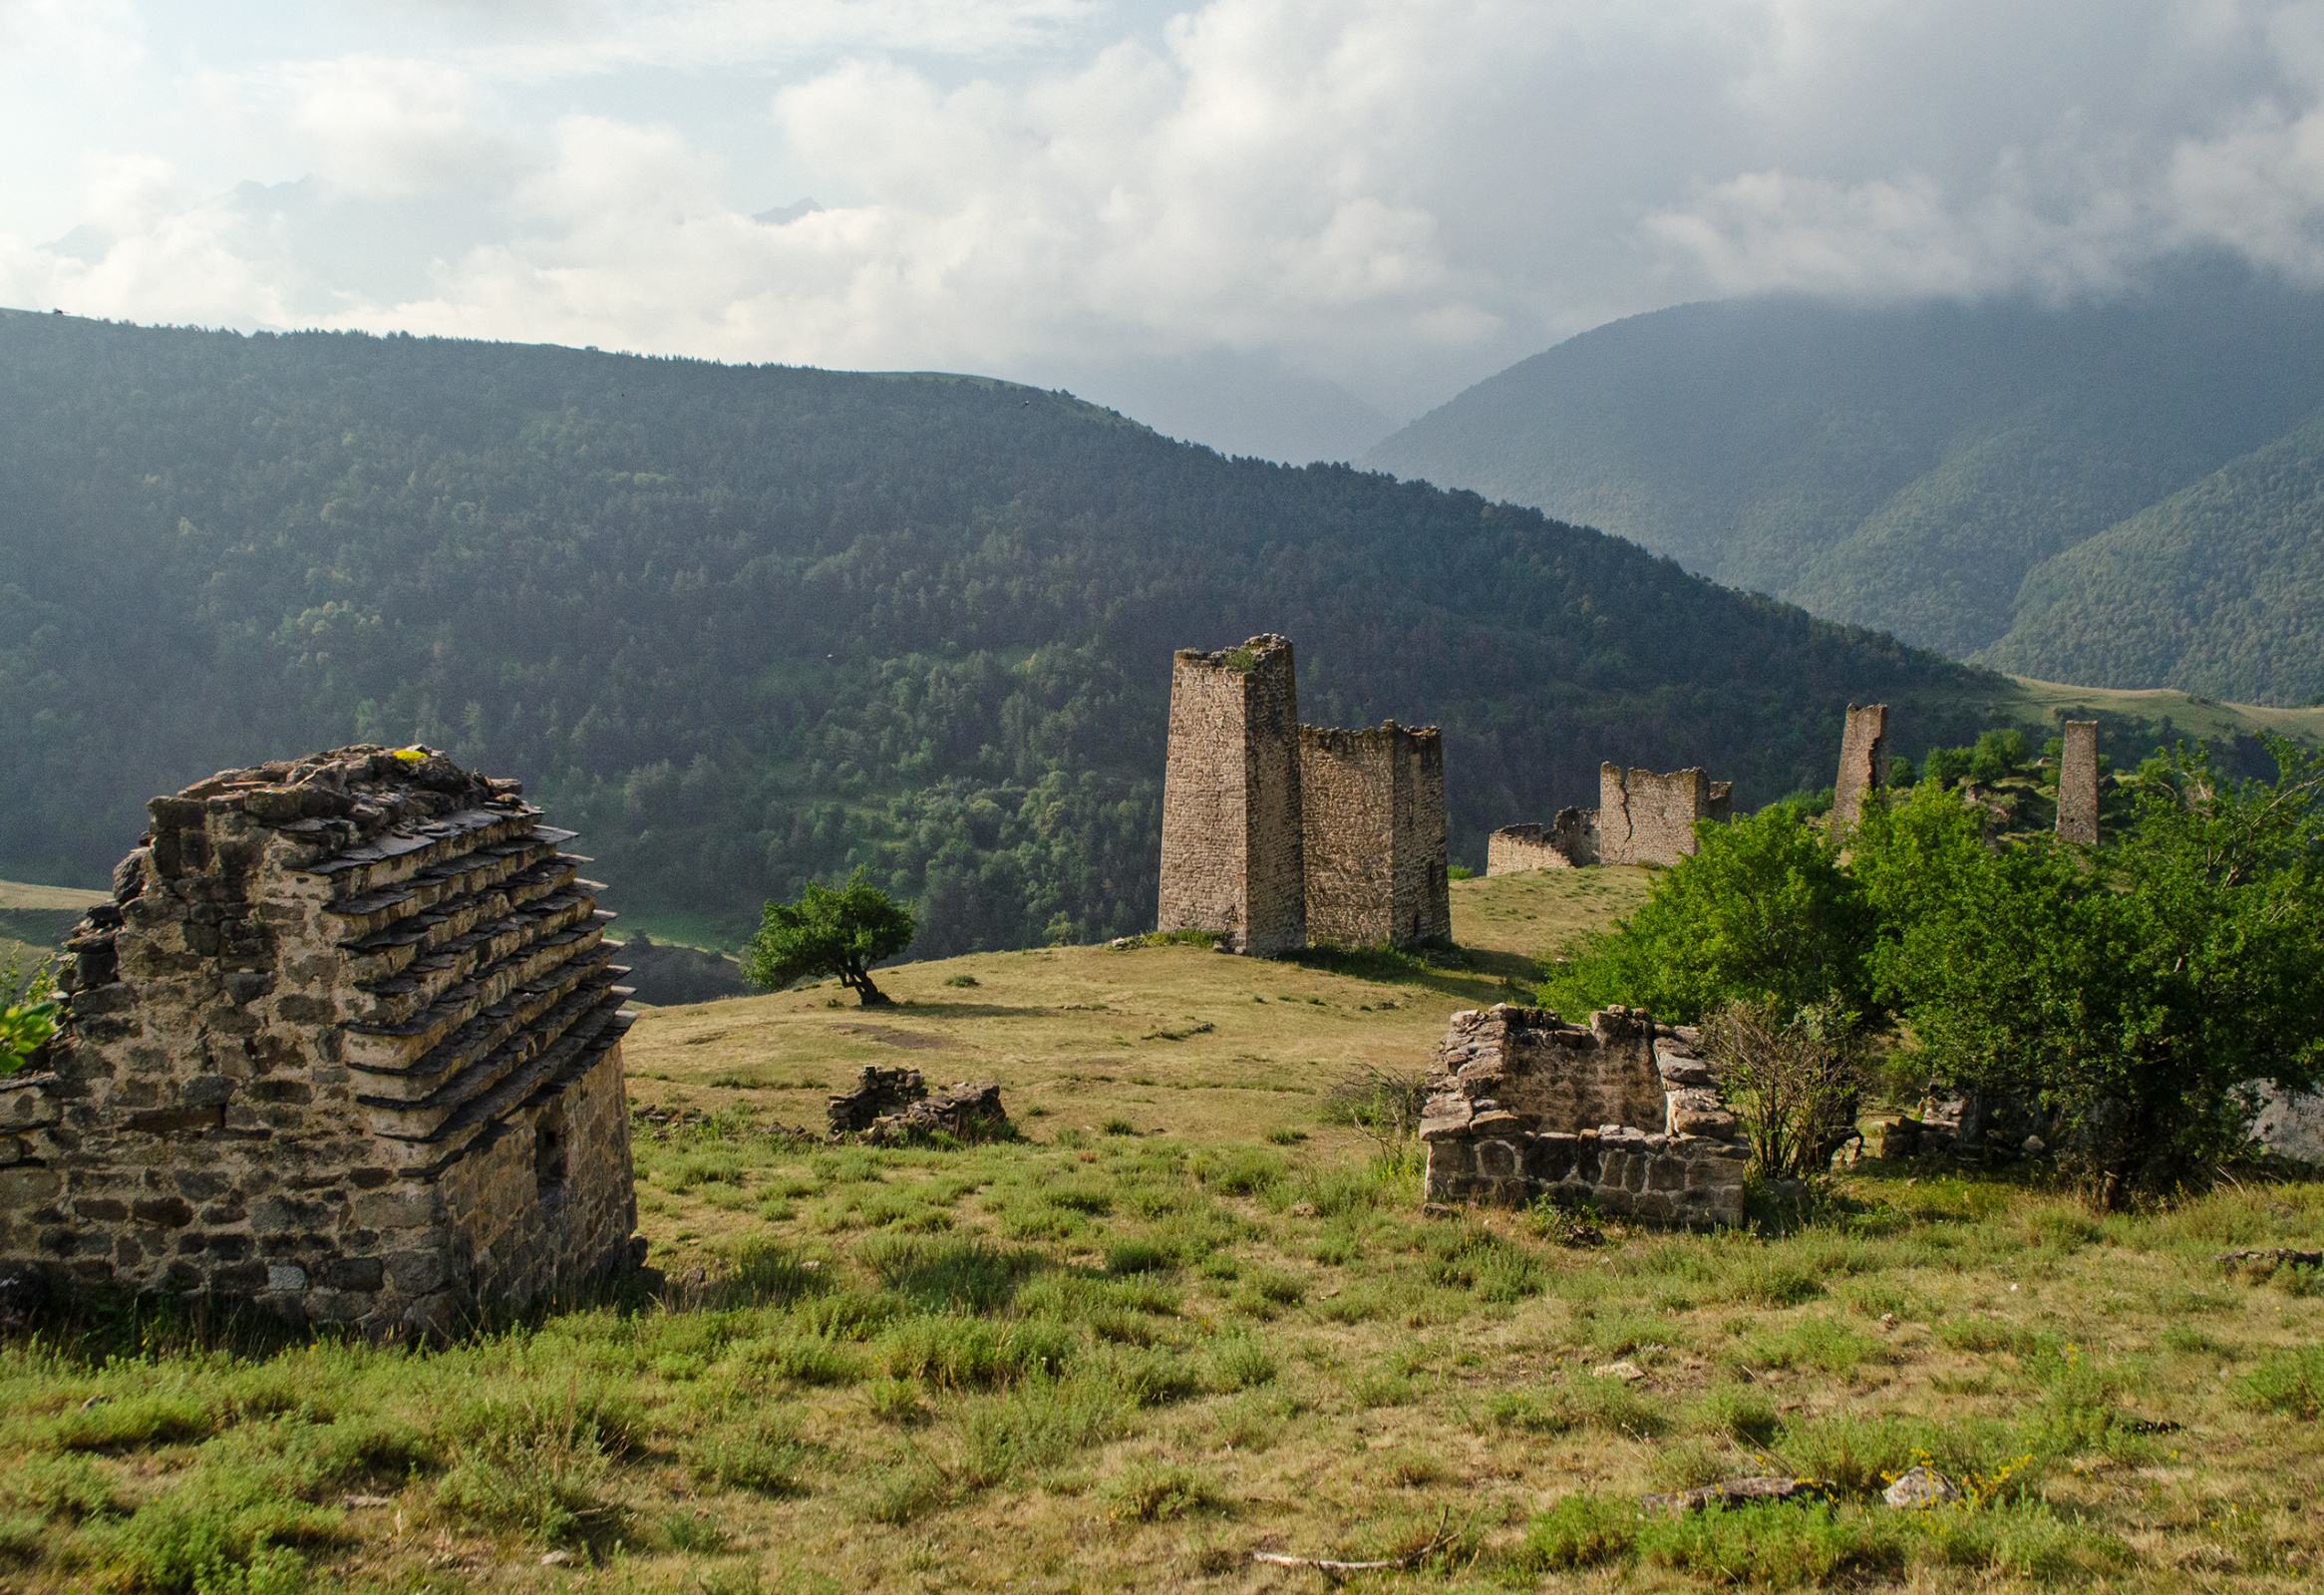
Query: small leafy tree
x=827 y=932
x=2137 y=991
x=1794 y=1083
x=28 y=1016
x=1762 y=912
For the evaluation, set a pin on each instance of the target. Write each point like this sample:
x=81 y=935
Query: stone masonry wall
x=1863 y=761
x=1570 y=842
x=1373 y=812
x=2078 y=782
x=1233 y=859
x=347 y=1044
x=1347 y=795
x=1274 y=832
x=1623 y=1114
x=1424 y=881
x=1649 y=819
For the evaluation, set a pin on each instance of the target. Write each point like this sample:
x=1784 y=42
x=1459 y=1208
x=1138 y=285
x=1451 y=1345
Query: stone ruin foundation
x=1864 y=761
x=346 y=1043
x=2078 y=782
x=1623 y=1114
x=895 y=1104
x=1276 y=834
x=1642 y=817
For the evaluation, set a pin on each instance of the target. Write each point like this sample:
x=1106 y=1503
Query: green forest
x=747 y=627
x=2105 y=493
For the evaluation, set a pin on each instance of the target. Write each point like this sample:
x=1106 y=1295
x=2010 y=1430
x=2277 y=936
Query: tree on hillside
x=826 y=932
x=1761 y=913
x=2139 y=993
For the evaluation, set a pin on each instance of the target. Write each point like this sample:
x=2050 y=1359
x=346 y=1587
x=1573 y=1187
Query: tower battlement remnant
x=346 y=1043
x=1277 y=833
x=1642 y=817
x=1864 y=761
x=2078 y=782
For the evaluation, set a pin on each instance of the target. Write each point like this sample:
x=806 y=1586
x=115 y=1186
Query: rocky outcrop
x=893 y=1105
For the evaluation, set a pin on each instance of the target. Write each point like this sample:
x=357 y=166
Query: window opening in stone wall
x=549 y=1156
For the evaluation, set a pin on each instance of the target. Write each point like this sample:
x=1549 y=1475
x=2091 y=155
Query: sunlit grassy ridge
x=1186 y=1316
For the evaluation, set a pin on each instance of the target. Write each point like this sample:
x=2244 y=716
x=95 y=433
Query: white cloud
x=1393 y=196
x=382 y=127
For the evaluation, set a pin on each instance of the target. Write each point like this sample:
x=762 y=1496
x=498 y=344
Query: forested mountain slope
x=1903 y=466
x=744 y=626
x=2216 y=590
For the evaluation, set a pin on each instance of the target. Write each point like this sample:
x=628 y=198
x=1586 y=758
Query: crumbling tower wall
x=346 y=1043
x=1232 y=855
x=1649 y=819
x=1864 y=756
x=2078 y=782
x=1373 y=808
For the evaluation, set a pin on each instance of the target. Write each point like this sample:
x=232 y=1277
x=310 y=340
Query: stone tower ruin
x=1863 y=759
x=346 y=1043
x=2078 y=783
x=1642 y=817
x=1277 y=833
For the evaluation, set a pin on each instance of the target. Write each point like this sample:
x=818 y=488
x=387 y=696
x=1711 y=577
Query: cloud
x=384 y=128
x=1347 y=206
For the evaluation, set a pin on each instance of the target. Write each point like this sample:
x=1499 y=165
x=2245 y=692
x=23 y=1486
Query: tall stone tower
x=1863 y=755
x=1232 y=860
x=1374 y=802
x=2078 y=782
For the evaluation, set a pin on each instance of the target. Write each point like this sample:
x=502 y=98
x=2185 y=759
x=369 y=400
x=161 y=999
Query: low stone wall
x=1567 y=842
x=1623 y=1114
x=1642 y=817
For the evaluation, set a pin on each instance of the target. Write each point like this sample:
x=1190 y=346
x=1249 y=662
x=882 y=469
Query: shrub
x=1241 y=1170
x=1776 y=1545
x=763 y=1455
x=1152 y=1492
x=1036 y=1425
x=1760 y=912
x=1792 y=1082
x=1582 y=1531
x=1138 y=1257
x=2288 y=1382
x=532 y=1469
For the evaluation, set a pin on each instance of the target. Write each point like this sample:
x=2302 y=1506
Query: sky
x=1276 y=227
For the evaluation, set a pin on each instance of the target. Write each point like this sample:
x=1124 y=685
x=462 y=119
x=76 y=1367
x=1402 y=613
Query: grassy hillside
x=744 y=627
x=2218 y=590
x=1903 y=468
x=1191 y=1316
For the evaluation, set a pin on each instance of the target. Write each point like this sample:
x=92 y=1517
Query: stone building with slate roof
x=347 y=1044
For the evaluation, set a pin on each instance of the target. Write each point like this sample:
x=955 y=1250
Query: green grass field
x=1187 y=1317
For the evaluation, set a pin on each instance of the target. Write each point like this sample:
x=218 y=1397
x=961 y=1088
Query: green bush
x=1761 y=911
x=1775 y=1545
x=1240 y=1170
x=763 y=1455
x=1582 y=1401
x=1152 y=1492
x=2287 y=1381
x=1138 y=1257
x=1581 y=1530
